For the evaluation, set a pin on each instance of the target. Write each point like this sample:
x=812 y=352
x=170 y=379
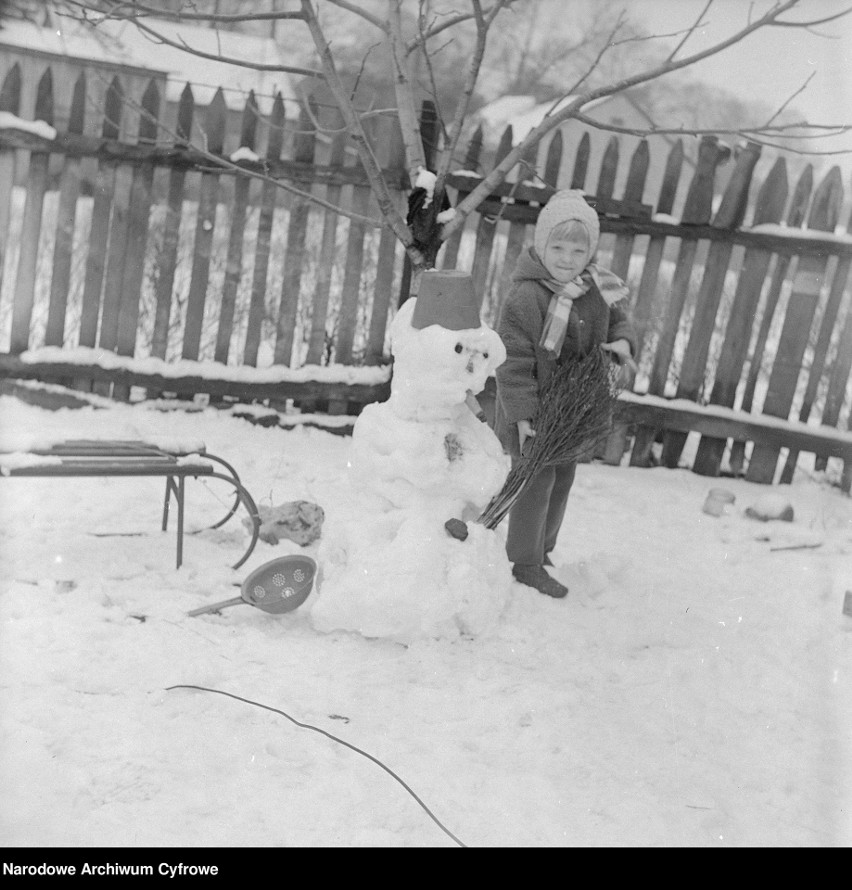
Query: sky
x=774 y=63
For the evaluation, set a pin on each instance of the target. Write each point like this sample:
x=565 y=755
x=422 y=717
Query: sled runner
x=107 y=457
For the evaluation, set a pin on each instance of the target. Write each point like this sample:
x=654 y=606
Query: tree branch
x=499 y=173
x=387 y=206
x=181 y=44
x=409 y=125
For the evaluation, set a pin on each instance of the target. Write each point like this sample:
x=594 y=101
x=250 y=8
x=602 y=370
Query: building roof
x=122 y=43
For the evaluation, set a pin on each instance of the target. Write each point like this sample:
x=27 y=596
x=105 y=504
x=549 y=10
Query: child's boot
x=537 y=577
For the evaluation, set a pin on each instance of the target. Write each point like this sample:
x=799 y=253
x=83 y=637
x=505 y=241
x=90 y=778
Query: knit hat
x=446 y=298
x=562 y=206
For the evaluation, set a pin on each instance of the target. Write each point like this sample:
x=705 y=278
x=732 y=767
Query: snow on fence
x=155 y=250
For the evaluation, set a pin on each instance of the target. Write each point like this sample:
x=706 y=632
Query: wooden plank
x=234 y=262
x=171 y=231
x=518 y=229
x=99 y=231
x=450 y=252
x=205 y=224
x=188 y=158
x=487 y=227
x=10 y=101
x=684 y=416
x=392 y=152
x=616 y=443
x=22 y=308
x=350 y=299
x=829 y=319
x=654 y=252
x=325 y=264
x=730 y=215
x=141 y=195
x=634 y=190
x=769 y=206
x=643 y=440
x=581 y=162
x=609 y=169
x=795 y=217
x=190 y=384
x=838 y=384
x=697 y=211
x=304 y=146
x=269 y=193
x=801 y=307
x=69 y=189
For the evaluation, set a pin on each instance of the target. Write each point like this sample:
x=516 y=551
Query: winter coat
x=528 y=367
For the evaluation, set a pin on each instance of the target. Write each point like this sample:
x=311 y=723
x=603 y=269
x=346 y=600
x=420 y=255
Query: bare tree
x=411 y=35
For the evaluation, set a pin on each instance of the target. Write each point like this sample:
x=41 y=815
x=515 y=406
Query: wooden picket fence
x=169 y=254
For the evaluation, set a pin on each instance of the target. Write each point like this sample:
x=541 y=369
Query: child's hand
x=620 y=352
x=525 y=431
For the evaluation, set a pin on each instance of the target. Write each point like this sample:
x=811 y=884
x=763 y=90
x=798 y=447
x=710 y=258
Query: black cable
x=333 y=738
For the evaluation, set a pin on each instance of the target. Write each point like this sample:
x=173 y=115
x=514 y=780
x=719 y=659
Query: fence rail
x=156 y=248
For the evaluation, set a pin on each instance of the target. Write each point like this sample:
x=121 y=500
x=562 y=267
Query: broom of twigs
x=574 y=417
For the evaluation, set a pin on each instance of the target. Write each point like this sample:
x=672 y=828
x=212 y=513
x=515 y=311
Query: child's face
x=565 y=257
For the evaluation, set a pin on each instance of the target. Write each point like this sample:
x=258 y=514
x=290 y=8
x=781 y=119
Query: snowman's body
x=420 y=459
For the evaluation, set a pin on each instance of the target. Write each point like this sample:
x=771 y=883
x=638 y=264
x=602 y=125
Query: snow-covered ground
x=694 y=688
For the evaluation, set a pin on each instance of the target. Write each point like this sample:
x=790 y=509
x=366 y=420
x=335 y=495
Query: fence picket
x=450 y=250
x=24 y=299
x=485 y=230
x=729 y=216
x=304 y=146
x=391 y=152
x=609 y=169
x=257 y=306
x=838 y=386
x=99 y=232
x=234 y=262
x=205 y=226
x=769 y=206
x=10 y=102
x=817 y=366
x=325 y=263
x=167 y=259
x=634 y=190
x=801 y=307
x=141 y=196
x=643 y=440
x=581 y=162
x=795 y=217
x=69 y=189
x=697 y=210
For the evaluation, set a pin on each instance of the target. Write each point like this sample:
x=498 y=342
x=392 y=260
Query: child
x=559 y=306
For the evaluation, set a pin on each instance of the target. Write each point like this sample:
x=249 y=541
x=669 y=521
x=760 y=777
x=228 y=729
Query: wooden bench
x=99 y=457
x=724 y=423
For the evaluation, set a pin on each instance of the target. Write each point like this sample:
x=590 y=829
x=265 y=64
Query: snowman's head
x=436 y=367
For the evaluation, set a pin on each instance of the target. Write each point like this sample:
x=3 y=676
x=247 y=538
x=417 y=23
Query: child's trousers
x=536 y=517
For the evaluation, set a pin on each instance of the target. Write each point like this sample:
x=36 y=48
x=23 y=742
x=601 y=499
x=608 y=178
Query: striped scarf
x=611 y=288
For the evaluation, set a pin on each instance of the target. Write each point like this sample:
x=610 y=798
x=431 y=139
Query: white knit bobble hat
x=562 y=206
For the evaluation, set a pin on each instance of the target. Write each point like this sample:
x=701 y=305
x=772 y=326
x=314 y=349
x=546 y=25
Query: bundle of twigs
x=574 y=417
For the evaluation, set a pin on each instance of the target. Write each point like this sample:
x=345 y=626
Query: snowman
x=388 y=566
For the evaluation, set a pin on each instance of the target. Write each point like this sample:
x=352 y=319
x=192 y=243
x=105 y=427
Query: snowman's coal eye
x=458 y=347
x=485 y=355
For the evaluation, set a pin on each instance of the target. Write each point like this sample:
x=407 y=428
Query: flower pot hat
x=446 y=298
